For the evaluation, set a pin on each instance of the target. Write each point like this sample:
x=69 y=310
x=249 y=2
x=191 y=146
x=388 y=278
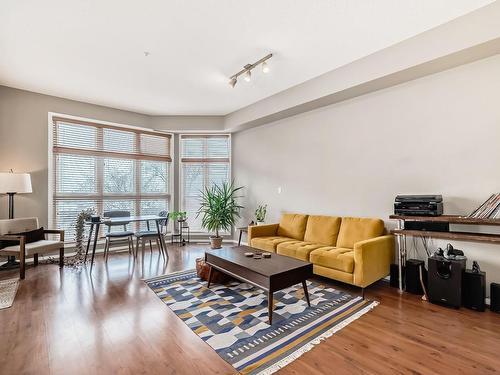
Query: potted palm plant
x=219 y=210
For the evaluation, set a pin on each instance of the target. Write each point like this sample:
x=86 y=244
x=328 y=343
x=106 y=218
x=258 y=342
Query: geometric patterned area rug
x=8 y=290
x=232 y=318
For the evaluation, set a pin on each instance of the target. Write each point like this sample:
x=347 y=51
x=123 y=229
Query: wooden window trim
x=106 y=126
x=110 y=154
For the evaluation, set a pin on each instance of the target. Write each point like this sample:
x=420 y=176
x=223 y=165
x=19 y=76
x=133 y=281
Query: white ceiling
x=93 y=50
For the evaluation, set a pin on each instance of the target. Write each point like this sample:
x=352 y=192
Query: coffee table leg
x=209 y=276
x=270 y=307
x=304 y=285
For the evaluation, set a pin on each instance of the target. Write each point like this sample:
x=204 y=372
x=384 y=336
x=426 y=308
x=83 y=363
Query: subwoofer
x=495 y=297
x=445 y=280
x=474 y=290
x=394 y=275
x=413 y=284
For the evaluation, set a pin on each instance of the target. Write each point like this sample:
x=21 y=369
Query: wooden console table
x=401 y=233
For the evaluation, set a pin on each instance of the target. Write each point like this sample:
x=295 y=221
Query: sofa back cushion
x=11 y=226
x=293 y=226
x=355 y=229
x=322 y=229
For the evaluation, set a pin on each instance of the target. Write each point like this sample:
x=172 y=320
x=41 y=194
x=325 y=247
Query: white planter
x=260 y=223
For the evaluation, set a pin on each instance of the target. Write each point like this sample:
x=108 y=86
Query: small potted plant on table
x=219 y=210
x=178 y=216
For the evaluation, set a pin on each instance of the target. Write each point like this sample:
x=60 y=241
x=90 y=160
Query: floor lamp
x=13 y=183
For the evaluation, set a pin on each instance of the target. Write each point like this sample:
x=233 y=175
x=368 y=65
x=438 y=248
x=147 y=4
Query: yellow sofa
x=348 y=249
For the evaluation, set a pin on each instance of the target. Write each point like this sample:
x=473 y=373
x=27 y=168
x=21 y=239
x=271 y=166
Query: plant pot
x=260 y=222
x=215 y=242
x=203 y=269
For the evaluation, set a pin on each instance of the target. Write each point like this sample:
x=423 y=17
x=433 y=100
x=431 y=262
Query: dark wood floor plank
x=110 y=322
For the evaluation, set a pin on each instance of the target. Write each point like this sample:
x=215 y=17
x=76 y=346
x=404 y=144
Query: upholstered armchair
x=17 y=244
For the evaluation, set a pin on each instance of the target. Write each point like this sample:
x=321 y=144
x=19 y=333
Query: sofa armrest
x=372 y=259
x=261 y=231
x=60 y=232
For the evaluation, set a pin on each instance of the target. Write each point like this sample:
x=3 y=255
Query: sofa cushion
x=297 y=249
x=9 y=226
x=322 y=229
x=293 y=226
x=33 y=235
x=355 y=229
x=41 y=247
x=268 y=243
x=338 y=258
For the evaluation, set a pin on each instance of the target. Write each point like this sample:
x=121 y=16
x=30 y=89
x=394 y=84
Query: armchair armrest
x=60 y=232
x=372 y=259
x=11 y=237
x=261 y=231
x=18 y=238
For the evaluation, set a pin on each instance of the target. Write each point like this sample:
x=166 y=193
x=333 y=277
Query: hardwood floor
x=67 y=322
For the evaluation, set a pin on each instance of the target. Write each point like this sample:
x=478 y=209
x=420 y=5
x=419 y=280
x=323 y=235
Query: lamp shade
x=15 y=183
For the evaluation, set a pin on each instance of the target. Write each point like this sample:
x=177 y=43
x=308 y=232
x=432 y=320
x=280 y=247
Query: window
x=205 y=160
x=107 y=167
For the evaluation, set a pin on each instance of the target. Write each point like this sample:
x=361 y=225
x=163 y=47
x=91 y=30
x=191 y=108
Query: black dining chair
x=152 y=235
x=118 y=236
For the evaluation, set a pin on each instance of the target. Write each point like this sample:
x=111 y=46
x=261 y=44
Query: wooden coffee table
x=271 y=274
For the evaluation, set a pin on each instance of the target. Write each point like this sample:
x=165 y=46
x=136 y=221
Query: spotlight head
x=233 y=82
x=248 y=76
x=265 y=67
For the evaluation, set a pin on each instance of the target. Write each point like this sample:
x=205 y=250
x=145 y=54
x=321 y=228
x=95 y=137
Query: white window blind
x=107 y=167
x=205 y=160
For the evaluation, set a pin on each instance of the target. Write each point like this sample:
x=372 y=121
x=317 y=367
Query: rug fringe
x=7 y=298
x=307 y=347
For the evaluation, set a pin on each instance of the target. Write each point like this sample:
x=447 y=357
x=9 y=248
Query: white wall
x=438 y=134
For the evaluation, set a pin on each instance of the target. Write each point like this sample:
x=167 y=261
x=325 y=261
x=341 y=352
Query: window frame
x=137 y=195
x=181 y=169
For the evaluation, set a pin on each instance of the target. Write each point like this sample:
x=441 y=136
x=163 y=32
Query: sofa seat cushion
x=322 y=229
x=269 y=243
x=293 y=226
x=338 y=258
x=297 y=249
x=356 y=229
x=41 y=247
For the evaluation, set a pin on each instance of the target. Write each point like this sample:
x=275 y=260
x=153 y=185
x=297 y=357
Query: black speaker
x=412 y=276
x=495 y=297
x=433 y=226
x=394 y=275
x=474 y=290
x=445 y=280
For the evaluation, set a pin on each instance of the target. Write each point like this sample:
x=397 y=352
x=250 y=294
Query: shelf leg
x=400 y=240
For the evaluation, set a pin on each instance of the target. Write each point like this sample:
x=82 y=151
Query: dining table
x=95 y=226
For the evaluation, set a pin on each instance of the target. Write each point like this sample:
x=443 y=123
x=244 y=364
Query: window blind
x=205 y=160
x=107 y=167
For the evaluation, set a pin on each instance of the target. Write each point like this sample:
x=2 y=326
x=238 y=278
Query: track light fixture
x=247 y=70
x=265 y=67
x=248 y=76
